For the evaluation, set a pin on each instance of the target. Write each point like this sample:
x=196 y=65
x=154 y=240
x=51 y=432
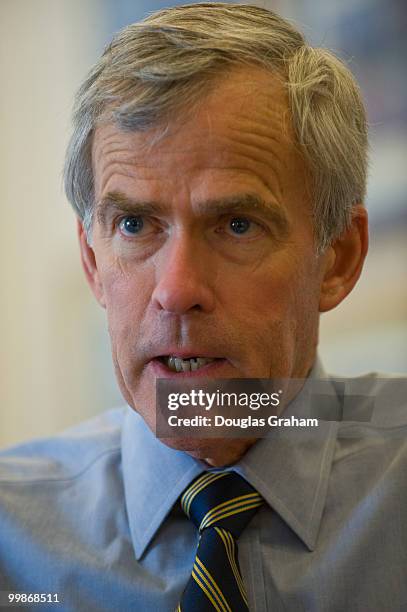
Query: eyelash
x=222 y=222
x=252 y=221
x=117 y=222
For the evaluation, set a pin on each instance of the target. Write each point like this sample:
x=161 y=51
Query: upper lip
x=187 y=353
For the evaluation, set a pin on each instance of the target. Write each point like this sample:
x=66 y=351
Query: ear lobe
x=344 y=261
x=89 y=265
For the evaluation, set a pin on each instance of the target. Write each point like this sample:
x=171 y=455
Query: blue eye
x=131 y=225
x=239 y=225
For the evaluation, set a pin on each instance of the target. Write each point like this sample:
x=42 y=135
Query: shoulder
x=59 y=497
x=372 y=433
x=377 y=398
x=65 y=455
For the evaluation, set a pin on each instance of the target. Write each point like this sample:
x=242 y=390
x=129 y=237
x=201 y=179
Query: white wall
x=47 y=323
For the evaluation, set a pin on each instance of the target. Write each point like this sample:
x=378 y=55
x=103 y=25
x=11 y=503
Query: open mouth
x=176 y=364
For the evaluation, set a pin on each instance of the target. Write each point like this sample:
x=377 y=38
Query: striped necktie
x=220 y=504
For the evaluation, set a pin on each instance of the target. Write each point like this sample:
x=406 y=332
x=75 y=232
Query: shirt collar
x=289 y=468
x=154 y=477
x=292 y=466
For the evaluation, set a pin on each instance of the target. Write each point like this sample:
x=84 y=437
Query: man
x=217 y=168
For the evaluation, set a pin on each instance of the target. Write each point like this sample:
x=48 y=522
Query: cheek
x=278 y=308
x=127 y=296
x=275 y=291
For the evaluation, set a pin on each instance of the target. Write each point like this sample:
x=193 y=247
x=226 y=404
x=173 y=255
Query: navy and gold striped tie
x=220 y=504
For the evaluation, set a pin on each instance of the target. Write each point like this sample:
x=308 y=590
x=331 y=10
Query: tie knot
x=221 y=499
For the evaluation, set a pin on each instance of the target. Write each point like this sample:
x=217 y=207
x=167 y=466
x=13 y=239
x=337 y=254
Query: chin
x=217 y=452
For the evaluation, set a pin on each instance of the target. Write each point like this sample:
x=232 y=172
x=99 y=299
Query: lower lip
x=210 y=370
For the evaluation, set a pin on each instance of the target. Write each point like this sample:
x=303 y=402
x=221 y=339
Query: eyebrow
x=115 y=201
x=245 y=203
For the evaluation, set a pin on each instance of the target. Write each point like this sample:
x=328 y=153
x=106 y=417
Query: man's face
x=203 y=244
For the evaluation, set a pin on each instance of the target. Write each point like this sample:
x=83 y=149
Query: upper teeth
x=186 y=365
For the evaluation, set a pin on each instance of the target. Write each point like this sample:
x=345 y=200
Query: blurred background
x=55 y=362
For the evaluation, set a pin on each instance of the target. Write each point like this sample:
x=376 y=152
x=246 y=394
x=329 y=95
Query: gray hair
x=164 y=63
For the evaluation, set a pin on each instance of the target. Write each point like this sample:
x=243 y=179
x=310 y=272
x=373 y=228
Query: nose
x=183 y=277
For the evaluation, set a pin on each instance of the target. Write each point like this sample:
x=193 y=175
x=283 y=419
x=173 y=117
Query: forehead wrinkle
x=256 y=136
x=105 y=154
x=264 y=106
x=270 y=136
x=140 y=157
x=266 y=118
x=110 y=165
x=124 y=168
x=129 y=168
x=265 y=145
x=268 y=121
x=253 y=153
x=269 y=127
x=105 y=146
x=102 y=140
x=109 y=169
x=109 y=149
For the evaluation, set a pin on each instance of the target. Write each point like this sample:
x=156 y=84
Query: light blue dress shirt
x=92 y=514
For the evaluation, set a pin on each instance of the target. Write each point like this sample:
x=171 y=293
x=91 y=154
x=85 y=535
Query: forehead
x=242 y=125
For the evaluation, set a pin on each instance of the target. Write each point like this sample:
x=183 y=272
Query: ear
x=90 y=266
x=344 y=260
